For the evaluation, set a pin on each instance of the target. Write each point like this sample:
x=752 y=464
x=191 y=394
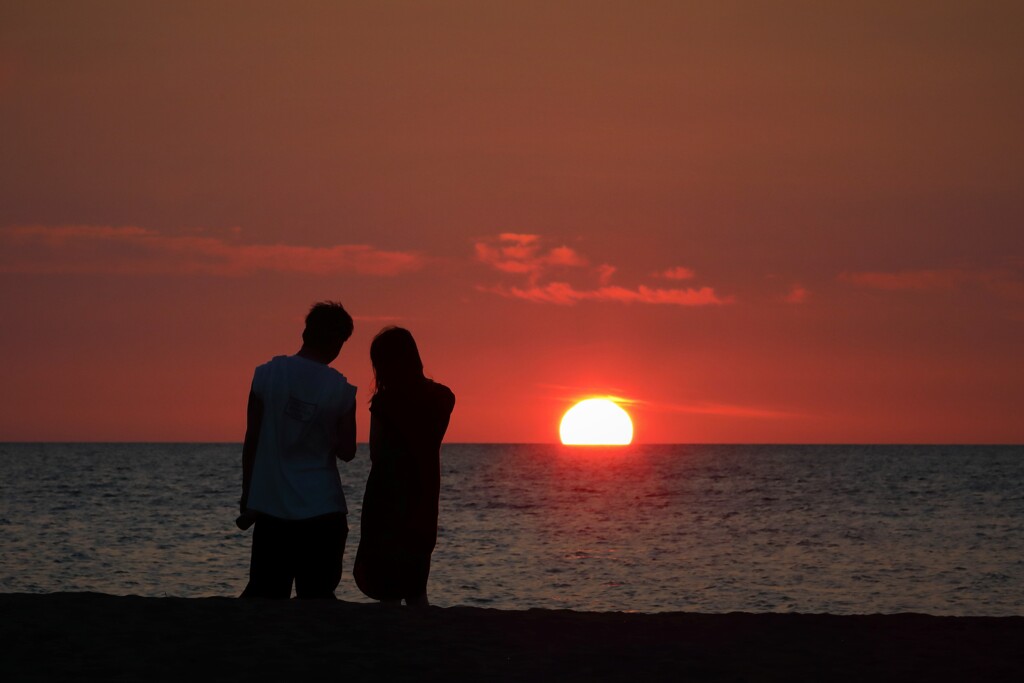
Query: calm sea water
x=840 y=529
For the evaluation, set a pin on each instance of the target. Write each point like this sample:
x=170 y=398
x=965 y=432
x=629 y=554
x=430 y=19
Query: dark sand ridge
x=66 y=636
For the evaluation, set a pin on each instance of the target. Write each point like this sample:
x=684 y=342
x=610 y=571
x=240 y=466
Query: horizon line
x=552 y=443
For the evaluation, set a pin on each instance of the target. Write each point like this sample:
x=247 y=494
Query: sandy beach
x=68 y=636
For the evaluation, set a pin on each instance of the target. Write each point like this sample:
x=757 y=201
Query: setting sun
x=596 y=422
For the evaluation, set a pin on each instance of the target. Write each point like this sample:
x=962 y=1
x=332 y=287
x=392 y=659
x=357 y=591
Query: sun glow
x=596 y=422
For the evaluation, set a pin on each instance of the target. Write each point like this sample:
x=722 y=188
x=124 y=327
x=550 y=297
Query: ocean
x=837 y=529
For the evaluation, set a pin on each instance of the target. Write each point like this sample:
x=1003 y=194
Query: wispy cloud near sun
x=723 y=409
x=525 y=255
x=133 y=250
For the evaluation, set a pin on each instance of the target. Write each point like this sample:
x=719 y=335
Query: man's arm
x=253 y=422
x=347 y=435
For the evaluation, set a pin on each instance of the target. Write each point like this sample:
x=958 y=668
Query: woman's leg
x=420 y=601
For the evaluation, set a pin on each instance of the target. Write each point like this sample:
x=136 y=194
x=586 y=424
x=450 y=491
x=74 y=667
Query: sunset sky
x=750 y=221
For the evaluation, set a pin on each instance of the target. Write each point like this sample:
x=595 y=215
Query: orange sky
x=757 y=224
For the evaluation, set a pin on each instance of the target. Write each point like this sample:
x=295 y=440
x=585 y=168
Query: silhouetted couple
x=300 y=421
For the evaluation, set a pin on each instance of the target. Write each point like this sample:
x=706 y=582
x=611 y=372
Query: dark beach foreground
x=68 y=636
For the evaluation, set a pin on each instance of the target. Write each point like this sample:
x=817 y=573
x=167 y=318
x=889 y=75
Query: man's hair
x=328 y=324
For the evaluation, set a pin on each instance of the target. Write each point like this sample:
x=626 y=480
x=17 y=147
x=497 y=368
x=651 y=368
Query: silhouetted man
x=301 y=417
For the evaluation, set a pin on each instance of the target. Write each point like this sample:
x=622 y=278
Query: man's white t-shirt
x=295 y=474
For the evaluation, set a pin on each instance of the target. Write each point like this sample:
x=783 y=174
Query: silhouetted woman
x=408 y=418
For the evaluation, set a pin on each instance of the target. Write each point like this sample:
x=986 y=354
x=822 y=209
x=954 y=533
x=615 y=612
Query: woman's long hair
x=395 y=359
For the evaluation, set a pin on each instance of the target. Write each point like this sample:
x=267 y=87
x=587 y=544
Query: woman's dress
x=398 y=523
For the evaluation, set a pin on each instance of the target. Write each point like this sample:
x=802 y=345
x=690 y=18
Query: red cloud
x=522 y=254
x=797 y=295
x=501 y=260
x=605 y=272
x=678 y=273
x=519 y=253
x=134 y=250
x=518 y=237
x=564 y=256
x=565 y=294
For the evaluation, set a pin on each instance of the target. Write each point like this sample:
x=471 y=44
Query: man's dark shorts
x=306 y=551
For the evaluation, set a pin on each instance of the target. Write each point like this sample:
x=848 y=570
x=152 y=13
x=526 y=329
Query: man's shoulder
x=263 y=368
x=336 y=374
x=309 y=370
x=276 y=360
x=345 y=387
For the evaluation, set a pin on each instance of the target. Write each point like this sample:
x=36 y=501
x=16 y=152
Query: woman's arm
x=376 y=433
